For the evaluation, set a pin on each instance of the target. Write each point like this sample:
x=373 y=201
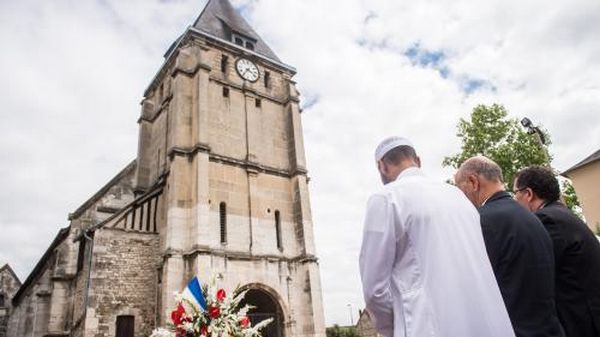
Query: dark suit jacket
x=577 y=259
x=520 y=251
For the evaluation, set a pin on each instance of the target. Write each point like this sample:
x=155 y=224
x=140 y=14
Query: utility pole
x=351 y=316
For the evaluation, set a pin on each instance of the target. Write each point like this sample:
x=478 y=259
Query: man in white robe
x=423 y=263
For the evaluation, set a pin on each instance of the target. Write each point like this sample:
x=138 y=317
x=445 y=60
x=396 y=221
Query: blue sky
x=75 y=72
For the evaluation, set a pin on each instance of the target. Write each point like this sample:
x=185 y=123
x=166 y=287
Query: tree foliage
x=570 y=198
x=338 y=331
x=489 y=132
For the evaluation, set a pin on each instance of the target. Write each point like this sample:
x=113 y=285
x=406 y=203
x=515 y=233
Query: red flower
x=204 y=330
x=244 y=322
x=220 y=295
x=177 y=316
x=180 y=332
x=214 y=312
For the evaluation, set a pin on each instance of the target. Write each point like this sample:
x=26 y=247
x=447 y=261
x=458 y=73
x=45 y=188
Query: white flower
x=160 y=332
x=188 y=326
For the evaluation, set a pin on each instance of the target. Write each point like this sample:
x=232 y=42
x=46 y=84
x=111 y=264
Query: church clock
x=247 y=70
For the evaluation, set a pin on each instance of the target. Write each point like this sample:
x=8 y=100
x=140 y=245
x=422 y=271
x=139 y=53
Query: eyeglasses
x=519 y=190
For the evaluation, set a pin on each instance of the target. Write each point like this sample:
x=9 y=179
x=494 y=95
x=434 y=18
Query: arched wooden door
x=266 y=306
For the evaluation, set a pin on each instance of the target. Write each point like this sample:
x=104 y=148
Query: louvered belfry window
x=278 y=230
x=223 y=221
x=224 y=63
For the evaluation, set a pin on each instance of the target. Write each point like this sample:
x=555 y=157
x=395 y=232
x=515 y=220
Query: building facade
x=585 y=176
x=218 y=189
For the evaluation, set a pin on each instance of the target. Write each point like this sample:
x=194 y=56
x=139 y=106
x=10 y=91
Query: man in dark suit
x=518 y=247
x=576 y=252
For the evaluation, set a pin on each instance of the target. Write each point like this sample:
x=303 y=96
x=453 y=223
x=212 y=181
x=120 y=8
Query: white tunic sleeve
x=376 y=262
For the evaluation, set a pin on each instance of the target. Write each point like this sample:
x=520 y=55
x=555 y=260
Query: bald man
x=423 y=263
x=519 y=249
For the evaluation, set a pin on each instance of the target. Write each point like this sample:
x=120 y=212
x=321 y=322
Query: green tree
x=570 y=198
x=489 y=132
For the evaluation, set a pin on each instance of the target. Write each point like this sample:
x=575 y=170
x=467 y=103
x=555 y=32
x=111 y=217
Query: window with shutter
x=278 y=230
x=223 y=221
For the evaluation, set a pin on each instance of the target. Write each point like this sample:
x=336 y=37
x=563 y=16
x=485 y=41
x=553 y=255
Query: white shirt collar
x=410 y=172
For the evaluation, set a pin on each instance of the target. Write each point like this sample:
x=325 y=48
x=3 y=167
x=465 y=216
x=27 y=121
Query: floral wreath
x=206 y=311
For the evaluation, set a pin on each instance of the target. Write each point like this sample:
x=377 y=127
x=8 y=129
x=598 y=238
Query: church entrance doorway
x=266 y=307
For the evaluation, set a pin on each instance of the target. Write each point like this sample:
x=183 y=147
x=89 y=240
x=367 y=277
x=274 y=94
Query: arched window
x=2 y=300
x=125 y=326
x=223 y=221
x=278 y=230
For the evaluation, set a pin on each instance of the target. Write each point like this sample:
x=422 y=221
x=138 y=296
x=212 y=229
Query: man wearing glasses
x=576 y=251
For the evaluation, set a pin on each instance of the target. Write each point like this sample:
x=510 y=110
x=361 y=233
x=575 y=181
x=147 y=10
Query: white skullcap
x=389 y=143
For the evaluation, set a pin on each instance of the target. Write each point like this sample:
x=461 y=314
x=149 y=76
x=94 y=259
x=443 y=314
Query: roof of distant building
x=7 y=268
x=591 y=159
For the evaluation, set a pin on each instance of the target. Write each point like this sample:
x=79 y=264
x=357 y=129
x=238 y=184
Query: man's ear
x=474 y=181
x=382 y=166
x=529 y=196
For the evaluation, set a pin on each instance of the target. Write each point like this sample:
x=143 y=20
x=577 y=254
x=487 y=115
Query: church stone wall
x=30 y=316
x=79 y=290
x=123 y=282
x=45 y=306
x=273 y=133
x=229 y=184
x=271 y=193
x=9 y=285
x=227 y=122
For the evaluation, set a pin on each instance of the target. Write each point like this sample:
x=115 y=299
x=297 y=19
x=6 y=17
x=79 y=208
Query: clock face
x=247 y=70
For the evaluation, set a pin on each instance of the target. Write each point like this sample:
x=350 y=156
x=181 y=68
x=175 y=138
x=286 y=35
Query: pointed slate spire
x=221 y=20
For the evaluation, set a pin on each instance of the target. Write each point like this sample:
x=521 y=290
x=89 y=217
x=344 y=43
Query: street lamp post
x=351 y=316
x=539 y=136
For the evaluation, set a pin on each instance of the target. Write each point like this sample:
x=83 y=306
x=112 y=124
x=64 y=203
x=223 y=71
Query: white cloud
x=75 y=72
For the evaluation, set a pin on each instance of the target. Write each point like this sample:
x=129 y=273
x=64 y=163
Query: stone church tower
x=220 y=131
x=219 y=188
